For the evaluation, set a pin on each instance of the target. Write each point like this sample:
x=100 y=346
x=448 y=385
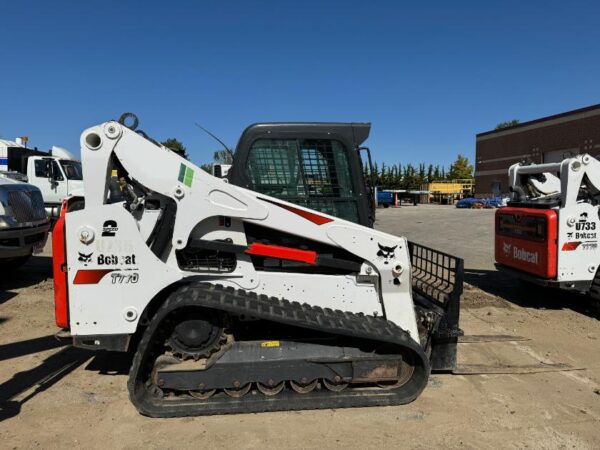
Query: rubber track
x=282 y=311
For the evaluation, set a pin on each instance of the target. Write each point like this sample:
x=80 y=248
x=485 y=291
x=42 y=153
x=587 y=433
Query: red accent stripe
x=569 y=246
x=314 y=218
x=275 y=251
x=61 y=303
x=92 y=276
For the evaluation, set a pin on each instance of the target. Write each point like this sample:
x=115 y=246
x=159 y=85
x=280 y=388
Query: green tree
x=222 y=157
x=410 y=177
x=510 y=123
x=430 y=173
x=371 y=173
x=382 y=176
x=376 y=174
x=460 y=169
x=389 y=177
x=396 y=179
x=176 y=146
x=400 y=178
x=421 y=176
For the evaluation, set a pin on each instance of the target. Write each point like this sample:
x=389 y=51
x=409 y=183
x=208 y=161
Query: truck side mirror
x=51 y=174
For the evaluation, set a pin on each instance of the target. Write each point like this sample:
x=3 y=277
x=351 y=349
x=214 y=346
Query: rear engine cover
x=526 y=239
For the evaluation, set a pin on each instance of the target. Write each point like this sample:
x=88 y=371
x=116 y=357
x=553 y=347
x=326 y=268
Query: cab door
x=49 y=177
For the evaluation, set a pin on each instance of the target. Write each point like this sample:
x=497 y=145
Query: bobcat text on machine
x=549 y=232
x=234 y=301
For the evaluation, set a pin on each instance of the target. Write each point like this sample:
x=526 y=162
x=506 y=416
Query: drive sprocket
x=195 y=333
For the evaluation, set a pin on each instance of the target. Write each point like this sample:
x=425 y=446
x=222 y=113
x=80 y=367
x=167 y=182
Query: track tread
x=215 y=296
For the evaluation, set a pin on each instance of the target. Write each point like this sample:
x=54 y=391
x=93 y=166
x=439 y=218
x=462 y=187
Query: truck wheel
x=10 y=264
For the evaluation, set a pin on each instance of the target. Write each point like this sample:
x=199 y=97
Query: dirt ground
x=53 y=396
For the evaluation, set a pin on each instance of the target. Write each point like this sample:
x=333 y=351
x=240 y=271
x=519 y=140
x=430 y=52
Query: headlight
x=8 y=222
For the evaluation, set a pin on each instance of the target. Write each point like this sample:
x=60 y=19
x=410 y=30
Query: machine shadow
x=34 y=381
x=22 y=348
x=6 y=295
x=110 y=363
x=31 y=382
x=36 y=270
x=528 y=295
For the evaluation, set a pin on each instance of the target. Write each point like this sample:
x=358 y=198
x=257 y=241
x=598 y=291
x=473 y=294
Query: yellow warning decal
x=268 y=344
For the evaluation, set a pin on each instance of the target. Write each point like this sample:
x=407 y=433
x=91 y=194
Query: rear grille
x=27 y=206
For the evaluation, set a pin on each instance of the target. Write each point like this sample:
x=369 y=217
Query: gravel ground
x=53 y=396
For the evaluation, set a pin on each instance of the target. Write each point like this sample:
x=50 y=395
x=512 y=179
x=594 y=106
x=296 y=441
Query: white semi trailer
x=57 y=173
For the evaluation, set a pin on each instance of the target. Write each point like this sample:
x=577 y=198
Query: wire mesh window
x=274 y=168
x=310 y=172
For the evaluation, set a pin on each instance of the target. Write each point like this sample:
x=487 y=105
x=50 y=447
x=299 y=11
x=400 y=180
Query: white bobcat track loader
x=549 y=232
x=232 y=301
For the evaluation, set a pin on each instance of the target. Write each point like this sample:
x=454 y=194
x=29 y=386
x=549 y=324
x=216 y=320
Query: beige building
x=447 y=192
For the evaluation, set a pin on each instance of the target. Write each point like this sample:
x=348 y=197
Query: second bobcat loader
x=233 y=300
x=548 y=234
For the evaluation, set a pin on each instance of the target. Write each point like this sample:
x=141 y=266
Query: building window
x=497 y=188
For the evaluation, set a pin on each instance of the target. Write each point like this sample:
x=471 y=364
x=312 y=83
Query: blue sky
x=428 y=75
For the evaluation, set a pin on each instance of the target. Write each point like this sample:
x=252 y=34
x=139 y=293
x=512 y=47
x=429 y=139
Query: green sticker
x=189 y=176
x=186 y=175
x=181 y=172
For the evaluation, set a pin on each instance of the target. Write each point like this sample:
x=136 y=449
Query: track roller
x=270 y=391
x=335 y=386
x=238 y=392
x=202 y=395
x=304 y=388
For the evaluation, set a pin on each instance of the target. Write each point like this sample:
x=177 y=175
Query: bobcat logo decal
x=386 y=253
x=85 y=258
x=506 y=247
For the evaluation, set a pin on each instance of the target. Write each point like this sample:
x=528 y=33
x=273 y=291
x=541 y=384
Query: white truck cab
x=57 y=173
x=23 y=222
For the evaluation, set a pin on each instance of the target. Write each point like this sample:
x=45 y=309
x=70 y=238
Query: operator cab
x=315 y=165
